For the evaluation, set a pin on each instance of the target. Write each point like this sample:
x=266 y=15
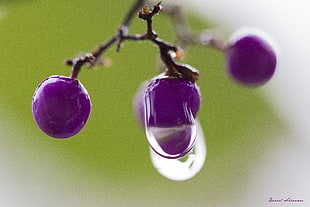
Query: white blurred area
x=287 y=164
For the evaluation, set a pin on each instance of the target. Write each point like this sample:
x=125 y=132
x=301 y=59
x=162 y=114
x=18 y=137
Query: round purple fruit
x=250 y=59
x=61 y=106
x=171 y=106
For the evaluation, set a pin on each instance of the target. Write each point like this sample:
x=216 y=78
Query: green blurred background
x=108 y=162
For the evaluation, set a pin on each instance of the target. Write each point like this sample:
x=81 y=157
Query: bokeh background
x=257 y=139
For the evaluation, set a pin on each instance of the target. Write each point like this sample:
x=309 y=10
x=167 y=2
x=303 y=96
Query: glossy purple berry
x=61 y=106
x=171 y=106
x=250 y=59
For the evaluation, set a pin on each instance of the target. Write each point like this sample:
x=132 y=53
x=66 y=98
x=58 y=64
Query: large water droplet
x=186 y=167
x=172 y=142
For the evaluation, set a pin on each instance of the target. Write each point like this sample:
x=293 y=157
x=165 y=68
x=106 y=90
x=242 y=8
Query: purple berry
x=171 y=102
x=61 y=106
x=251 y=60
x=171 y=106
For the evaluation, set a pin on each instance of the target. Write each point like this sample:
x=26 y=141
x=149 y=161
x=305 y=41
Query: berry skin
x=171 y=106
x=171 y=102
x=61 y=106
x=250 y=59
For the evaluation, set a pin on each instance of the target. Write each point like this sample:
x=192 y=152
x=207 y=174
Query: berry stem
x=212 y=38
x=174 y=69
x=77 y=64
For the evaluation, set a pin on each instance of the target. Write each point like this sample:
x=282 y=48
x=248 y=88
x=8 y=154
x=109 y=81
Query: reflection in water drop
x=179 y=170
x=172 y=142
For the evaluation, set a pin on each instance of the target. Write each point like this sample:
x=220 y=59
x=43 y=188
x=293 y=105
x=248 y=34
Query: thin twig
x=186 y=36
x=184 y=33
x=100 y=49
x=138 y=4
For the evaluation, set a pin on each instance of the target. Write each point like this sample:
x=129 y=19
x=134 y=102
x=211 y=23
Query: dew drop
x=185 y=167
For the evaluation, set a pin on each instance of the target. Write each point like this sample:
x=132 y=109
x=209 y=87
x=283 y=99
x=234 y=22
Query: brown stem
x=174 y=69
x=77 y=63
x=102 y=47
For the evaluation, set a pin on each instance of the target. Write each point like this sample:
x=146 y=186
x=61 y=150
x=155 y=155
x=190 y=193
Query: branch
x=138 y=4
x=76 y=63
x=167 y=50
x=185 y=34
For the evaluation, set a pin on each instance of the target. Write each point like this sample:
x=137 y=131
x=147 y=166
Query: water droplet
x=172 y=142
x=186 y=167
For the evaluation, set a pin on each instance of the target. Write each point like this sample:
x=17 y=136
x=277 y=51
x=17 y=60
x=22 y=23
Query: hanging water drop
x=180 y=169
x=172 y=142
x=170 y=107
